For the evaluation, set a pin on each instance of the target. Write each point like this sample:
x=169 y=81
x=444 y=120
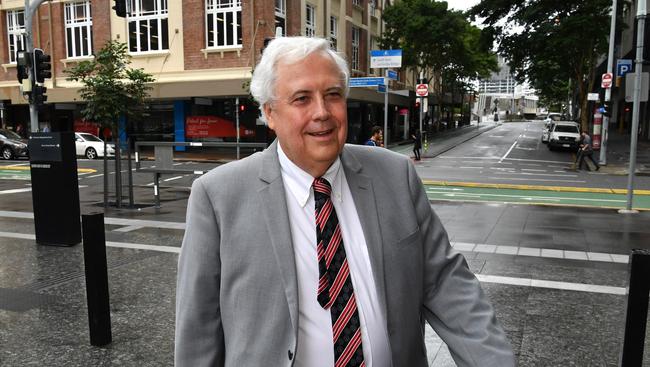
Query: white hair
x=290 y=50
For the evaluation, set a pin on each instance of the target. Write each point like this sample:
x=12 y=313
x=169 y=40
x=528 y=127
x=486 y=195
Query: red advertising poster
x=598 y=122
x=213 y=127
x=83 y=126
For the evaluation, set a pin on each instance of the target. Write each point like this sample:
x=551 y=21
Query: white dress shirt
x=315 y=346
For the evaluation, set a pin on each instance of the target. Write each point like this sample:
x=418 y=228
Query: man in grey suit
x=317 y=253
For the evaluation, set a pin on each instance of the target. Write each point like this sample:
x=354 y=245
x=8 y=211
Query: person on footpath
x=376 y=137
x=319 y=253
x=586 y=150
x=417 y=143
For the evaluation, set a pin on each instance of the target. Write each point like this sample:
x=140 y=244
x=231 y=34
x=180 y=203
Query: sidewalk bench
x=164 y=159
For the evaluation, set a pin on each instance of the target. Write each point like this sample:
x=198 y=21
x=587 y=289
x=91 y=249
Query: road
x=557 y=276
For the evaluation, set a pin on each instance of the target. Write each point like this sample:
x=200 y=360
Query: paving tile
x=527 y=251
x=598 y=256
x=463 y=246
x=485 y=248
x=552 y=253
x=507 y=250
x=577 y=255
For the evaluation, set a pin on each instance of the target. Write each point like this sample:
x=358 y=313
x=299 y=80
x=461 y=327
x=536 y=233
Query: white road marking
x=128 y=229
x=14 y=191
x=522 y=148
x=537 y=283
x=534 y=179
x=530 y=164
x=508 y=152
x=525 y=197
x=538 y=174
x=173 y=178
x=93 y=176
x=508 y=159
x=533 y=170
x=465 y=167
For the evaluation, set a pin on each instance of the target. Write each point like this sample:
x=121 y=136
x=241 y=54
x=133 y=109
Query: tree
x=437 y=42
x=110 y=90
x=552 y=44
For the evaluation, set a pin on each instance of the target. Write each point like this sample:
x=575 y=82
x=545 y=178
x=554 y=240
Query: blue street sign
x=391 y=74
x=366 y=82
x=386 y=59
x=623 y=66
x=381 y=88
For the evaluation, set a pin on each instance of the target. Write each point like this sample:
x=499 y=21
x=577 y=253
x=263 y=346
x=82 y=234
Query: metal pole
x=638 y=69
x=237 y=127
x=421 y=109
x=129 y=165
x=33 y=109
x=385 y=134
x=608 y=91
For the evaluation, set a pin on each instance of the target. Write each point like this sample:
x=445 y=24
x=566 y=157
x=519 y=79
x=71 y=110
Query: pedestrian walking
x=376 y=137
x=417 y=143
x=317 y=253
x=586 y=151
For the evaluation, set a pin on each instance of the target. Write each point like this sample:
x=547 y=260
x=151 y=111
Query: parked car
x=564 y=134
x=91 y=147
x=12 y=145
x=551 y=117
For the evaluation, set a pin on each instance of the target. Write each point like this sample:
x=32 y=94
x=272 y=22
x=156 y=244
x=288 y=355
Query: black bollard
x=637 y=309
x=99 y=313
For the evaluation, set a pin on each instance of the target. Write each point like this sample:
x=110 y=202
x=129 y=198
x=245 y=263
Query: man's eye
x=301 y=99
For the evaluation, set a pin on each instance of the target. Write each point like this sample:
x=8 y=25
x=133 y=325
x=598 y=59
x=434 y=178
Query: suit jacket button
x=290 y=355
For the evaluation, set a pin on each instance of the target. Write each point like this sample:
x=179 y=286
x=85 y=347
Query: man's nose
x=321 y=108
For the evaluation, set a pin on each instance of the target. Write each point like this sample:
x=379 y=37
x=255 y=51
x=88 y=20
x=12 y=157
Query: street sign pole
x=608 y=91
x=385 y=133
x=640 y=16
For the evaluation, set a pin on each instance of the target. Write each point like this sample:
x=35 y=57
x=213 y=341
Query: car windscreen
x=90 y=137
x=10 y=134
x=566 y=129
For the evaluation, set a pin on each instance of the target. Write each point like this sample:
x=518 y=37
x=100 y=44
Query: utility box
x=55 y=188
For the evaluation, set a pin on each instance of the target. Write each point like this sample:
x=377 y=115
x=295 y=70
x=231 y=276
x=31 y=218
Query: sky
x=462 y=4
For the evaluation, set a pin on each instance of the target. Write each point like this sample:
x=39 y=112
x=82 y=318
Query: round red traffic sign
x=606 y=80
x=422 y=90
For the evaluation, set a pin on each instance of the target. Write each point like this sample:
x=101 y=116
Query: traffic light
x=417 y=103
x=120 y=8
x=242 y=108
x=38 y=95
x=606 y=109
x=23 y=63
x=42 y=66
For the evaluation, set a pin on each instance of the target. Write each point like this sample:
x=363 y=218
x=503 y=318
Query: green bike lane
x=535 y=195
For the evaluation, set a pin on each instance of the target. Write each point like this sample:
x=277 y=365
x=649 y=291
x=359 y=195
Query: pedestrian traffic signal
x=38 y=95
x=23 y=63
x=417 y=104
x=606 y=109
x=120 y=8
x=42 y=66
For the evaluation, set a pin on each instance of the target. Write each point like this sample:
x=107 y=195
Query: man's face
x=309 y=115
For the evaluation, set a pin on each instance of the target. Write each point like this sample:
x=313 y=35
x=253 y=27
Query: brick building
x=201 y=54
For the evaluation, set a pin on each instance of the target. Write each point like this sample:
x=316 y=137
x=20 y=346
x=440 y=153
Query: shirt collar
x=299 y=182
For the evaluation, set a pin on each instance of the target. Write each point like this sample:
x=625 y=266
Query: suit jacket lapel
x=272 y=196
x=364 y=200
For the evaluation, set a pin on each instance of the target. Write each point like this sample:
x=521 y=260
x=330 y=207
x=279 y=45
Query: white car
x=564 y=134
x=552 y=117
x=546 y=132
x=91 y=147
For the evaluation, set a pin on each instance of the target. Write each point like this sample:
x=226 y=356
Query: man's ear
x=270 y=120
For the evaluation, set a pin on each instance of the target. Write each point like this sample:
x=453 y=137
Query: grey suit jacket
x=237 y=291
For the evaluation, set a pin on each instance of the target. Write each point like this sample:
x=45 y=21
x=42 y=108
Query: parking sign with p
x=623 y=66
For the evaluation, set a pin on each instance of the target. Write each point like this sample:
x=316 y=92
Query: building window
x=15 y=29
x=356 y=36
x=281 y=16
x=223 y=23
x=334 y=31
x=148 y=28
x=310 y=21
x=78 y=29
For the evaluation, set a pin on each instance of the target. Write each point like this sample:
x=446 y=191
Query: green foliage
x=434 y=38
x=552 y=44
x=110 y=88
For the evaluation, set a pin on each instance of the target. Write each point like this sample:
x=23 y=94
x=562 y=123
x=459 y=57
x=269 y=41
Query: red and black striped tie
x=335 y=284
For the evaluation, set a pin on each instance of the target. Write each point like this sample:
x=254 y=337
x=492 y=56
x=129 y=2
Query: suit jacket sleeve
x=453 y=302
x=199 y=330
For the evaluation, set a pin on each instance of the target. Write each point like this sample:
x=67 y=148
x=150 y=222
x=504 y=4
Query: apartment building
x=201 y=54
